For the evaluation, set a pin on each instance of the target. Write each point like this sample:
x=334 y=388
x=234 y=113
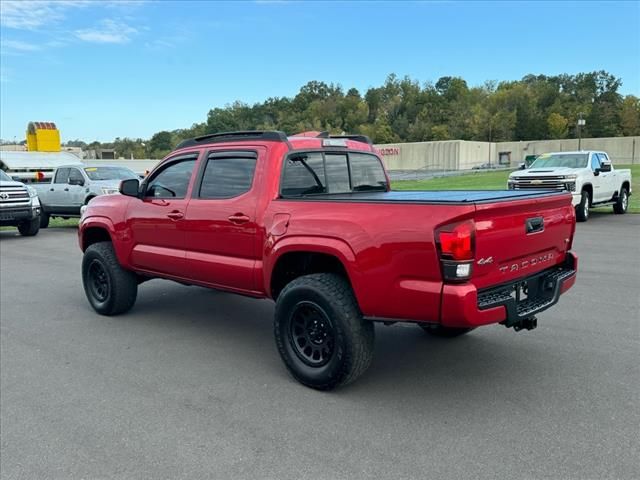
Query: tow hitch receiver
x=522 y=324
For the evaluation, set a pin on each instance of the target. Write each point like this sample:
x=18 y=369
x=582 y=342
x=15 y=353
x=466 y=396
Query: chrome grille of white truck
x=14 y=195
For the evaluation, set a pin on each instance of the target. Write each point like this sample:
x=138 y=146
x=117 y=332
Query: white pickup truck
x=73 y=186
x=589 y=176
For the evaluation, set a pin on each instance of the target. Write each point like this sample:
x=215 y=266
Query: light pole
x=581 y=123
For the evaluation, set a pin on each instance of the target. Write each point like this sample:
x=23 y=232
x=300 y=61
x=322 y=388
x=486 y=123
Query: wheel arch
x=589 y=188
x=625 y=184
x=295 y=257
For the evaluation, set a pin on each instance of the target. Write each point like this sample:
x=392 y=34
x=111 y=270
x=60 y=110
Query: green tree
x=160 y=144
x=630 y=116
x=558 y=125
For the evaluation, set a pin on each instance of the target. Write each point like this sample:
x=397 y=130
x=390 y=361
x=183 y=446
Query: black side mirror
x=523 y=166
x=596 y=172
x=130 y=187
x=76 y=181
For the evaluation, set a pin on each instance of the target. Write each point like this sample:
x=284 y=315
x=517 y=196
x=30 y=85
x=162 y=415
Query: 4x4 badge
x=485 y=261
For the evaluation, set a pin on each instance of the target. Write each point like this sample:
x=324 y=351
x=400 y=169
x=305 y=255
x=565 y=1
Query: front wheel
x=582 y=209
x=30 y=228
x=110 y=289
x=44 y=219
x=622 y=203
x=438 y=330
x=320 y=333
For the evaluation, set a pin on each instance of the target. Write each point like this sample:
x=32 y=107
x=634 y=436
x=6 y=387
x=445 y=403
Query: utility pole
x=490 y=141
x=581 y=123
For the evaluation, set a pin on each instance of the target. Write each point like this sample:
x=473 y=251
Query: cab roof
x=304 y=140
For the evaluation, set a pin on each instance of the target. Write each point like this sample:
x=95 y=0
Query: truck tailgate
x=519 y=238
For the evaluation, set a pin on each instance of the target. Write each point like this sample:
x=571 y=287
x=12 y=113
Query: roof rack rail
x=270 y=135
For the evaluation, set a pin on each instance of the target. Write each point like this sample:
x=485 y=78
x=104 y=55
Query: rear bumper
x=465 y=306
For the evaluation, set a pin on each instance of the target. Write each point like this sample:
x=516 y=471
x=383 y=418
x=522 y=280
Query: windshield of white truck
x=109 y=173
x=570 y=160
x=4 y=177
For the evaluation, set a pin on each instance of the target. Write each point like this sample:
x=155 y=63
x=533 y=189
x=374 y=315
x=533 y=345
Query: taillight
x=456 y=245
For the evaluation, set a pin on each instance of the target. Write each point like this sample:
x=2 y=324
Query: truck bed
x=432 y=196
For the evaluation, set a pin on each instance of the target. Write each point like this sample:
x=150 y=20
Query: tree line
x=403 y=110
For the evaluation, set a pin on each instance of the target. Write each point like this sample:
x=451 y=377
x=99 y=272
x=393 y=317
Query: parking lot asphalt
x=189 y=383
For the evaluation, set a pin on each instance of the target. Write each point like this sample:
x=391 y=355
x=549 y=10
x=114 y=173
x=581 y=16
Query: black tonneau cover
x=430 y=196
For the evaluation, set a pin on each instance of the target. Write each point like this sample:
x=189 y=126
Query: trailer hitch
x=522 y=324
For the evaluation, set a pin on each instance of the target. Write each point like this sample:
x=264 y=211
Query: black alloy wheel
x=99 y=283
x=311 y=334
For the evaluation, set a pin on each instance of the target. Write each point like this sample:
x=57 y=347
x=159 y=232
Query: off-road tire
x=622 y=202
x=44 y=219
x=330 y=297
x=438 y=330
x=119 y=286
x=582 y=209
x=29 y=228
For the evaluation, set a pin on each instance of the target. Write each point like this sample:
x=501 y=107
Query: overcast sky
x=105 y=69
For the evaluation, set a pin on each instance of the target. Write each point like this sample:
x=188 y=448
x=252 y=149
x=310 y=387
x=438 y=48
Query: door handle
x=52 y=189
x=175 y=215
x=239 y=218
x=66 y=189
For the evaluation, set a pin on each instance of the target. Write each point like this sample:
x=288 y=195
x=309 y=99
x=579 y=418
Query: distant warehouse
x=451 y=155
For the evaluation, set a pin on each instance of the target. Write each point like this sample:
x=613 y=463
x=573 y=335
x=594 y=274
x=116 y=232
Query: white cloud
x=107 y=31
x=31 y=15
x=19 y=46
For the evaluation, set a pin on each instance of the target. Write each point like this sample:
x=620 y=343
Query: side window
x=75 y=176
x=227 y=177
x=367 y=172
x=304 y=175
x=595 y=161
x=337 y=171
x=172 y=181
x=62 y=175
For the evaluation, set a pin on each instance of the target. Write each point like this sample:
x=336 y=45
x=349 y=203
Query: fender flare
x=327 y=245
x=106 y=224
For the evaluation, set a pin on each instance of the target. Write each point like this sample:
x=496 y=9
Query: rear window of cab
x=315 y=173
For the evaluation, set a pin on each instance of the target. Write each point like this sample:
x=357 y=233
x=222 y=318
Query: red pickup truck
x=311 y=222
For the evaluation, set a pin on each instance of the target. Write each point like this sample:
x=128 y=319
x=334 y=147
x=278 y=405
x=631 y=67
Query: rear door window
x=227 y=176
x=62 y=175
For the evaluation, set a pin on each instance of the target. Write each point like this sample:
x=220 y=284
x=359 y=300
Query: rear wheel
x=582 y=209
x=320 y=333
x=110 y=288
x=438 y=330
x=44 y=219
x=29 y=228
x=622 y=203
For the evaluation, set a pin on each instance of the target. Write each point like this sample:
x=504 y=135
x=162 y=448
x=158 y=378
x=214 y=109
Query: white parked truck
x=19 y=206
x=73 y=186
x=588 y=175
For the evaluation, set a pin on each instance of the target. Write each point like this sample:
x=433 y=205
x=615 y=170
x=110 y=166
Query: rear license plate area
x=527 y=289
